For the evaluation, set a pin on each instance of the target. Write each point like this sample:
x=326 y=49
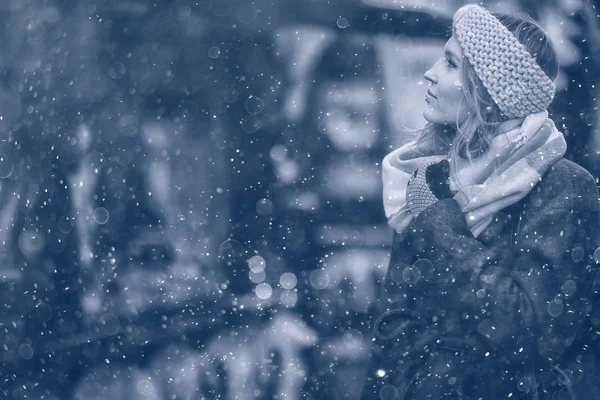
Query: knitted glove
x=428 y=184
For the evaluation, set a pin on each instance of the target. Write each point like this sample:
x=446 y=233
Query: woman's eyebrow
x=450 y=54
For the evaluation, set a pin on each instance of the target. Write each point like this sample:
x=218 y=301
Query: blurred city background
x=190 y=190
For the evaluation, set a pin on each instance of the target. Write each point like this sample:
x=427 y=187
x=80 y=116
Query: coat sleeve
x=524 y=296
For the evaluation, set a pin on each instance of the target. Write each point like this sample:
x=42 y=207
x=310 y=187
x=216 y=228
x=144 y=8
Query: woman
x=490 y=282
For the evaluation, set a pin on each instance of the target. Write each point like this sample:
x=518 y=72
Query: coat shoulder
x=566 y=172
x=568 y=178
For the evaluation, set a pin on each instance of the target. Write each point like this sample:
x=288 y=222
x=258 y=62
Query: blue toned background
x=190 y=190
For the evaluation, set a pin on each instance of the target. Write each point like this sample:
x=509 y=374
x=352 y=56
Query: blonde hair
x=473 y=134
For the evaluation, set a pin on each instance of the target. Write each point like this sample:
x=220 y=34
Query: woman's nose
x=429 y=74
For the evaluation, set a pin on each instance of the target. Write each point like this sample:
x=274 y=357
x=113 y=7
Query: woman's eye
x=449 y=62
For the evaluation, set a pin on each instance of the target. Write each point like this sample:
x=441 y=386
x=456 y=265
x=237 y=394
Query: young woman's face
x=445 y=92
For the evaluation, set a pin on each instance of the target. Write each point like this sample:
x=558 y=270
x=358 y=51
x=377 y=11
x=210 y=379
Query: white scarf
x=514 y=163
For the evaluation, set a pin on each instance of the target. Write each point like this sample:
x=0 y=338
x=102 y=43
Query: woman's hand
x=428 y=184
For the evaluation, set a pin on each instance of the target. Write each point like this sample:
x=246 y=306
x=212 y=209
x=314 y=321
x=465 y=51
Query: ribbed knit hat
x=508 y=71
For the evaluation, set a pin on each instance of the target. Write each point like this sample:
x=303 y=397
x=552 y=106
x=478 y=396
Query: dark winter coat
x=506 y=312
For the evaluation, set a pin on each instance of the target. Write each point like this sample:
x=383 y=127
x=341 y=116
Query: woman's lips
x=431 y=94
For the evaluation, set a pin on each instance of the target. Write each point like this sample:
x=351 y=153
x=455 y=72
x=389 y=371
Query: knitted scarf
x=514 y=163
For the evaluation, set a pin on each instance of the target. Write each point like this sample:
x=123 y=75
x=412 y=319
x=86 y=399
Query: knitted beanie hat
x=508 y=71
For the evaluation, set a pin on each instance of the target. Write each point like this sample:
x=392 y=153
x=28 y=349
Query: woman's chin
x=435 y=117
x=429 y=115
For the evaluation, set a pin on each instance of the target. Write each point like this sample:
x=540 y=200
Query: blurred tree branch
x=266 y=15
